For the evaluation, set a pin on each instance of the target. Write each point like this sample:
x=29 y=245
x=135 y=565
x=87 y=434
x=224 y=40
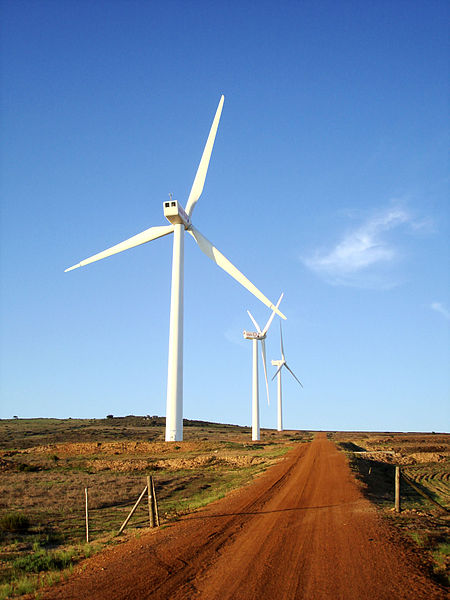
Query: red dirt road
x=300 y=531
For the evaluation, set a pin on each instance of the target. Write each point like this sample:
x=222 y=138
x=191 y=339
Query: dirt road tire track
x=301 y=531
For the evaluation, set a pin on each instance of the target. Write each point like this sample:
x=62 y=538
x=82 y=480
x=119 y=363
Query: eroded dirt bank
x=301 y=531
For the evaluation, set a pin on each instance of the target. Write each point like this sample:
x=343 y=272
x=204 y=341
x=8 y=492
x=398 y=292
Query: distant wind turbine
x=180 y=220
x=259 y=336
x=280 y=364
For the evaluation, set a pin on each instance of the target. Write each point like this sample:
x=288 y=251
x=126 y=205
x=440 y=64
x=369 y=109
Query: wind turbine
x=180 y=221
x=280 y=364
x=259 y=336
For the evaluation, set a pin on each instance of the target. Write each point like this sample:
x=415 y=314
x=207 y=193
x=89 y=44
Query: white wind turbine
x=280 y=364
x=259 y=336
x=180 y=221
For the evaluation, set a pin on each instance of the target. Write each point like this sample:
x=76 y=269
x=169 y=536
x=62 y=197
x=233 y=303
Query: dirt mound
x=426 y=457
x=111 y=448
x=120 y=466
x=386 y=457
x=172 y=464
x=400 y=458
x=208 y=460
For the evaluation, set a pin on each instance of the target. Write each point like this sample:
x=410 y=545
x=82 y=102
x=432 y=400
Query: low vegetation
x=46 y=465
x=14 y=522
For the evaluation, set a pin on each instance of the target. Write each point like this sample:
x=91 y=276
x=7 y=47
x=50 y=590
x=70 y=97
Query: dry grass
x=47 y=464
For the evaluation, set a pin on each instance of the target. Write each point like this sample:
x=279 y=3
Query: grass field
x=46 y=464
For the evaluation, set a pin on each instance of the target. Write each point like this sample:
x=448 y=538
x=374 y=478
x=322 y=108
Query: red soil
x=301 y=531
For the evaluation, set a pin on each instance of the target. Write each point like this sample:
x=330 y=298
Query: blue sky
x=328 y=181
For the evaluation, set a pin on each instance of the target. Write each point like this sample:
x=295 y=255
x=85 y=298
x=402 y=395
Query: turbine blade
x=278 y=370
x=293 y=374
x=215 y=255
x=254 y=322
x=281 y=343
x=263 y=352
x=199 y=181
x=266 y=328
x=141 y=238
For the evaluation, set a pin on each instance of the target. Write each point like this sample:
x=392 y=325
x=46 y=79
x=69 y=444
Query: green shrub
x=41 y=560
x=14 y=522
x=6 y=591
x=89 y=550
x=24 y=586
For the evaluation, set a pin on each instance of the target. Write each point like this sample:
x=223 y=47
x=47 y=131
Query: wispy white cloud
x=440 y=308
x=353 y=260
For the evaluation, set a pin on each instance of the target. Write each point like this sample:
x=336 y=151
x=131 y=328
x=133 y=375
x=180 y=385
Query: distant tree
x=110 y=416
x=15 y=417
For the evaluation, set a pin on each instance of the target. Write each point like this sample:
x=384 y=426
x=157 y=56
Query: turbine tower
x=259 y=336
x=180 y=221
x=280 y=364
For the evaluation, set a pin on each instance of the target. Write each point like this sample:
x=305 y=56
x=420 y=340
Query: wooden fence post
x=397 y=489
x=124 y=524
x=155 y=501
x=87 y=514
x=150 y=502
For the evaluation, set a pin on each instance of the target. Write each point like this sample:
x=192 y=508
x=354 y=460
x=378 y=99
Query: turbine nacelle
x=254 y=335
x=259 y=336
x=175 y=213
x=280 y=363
